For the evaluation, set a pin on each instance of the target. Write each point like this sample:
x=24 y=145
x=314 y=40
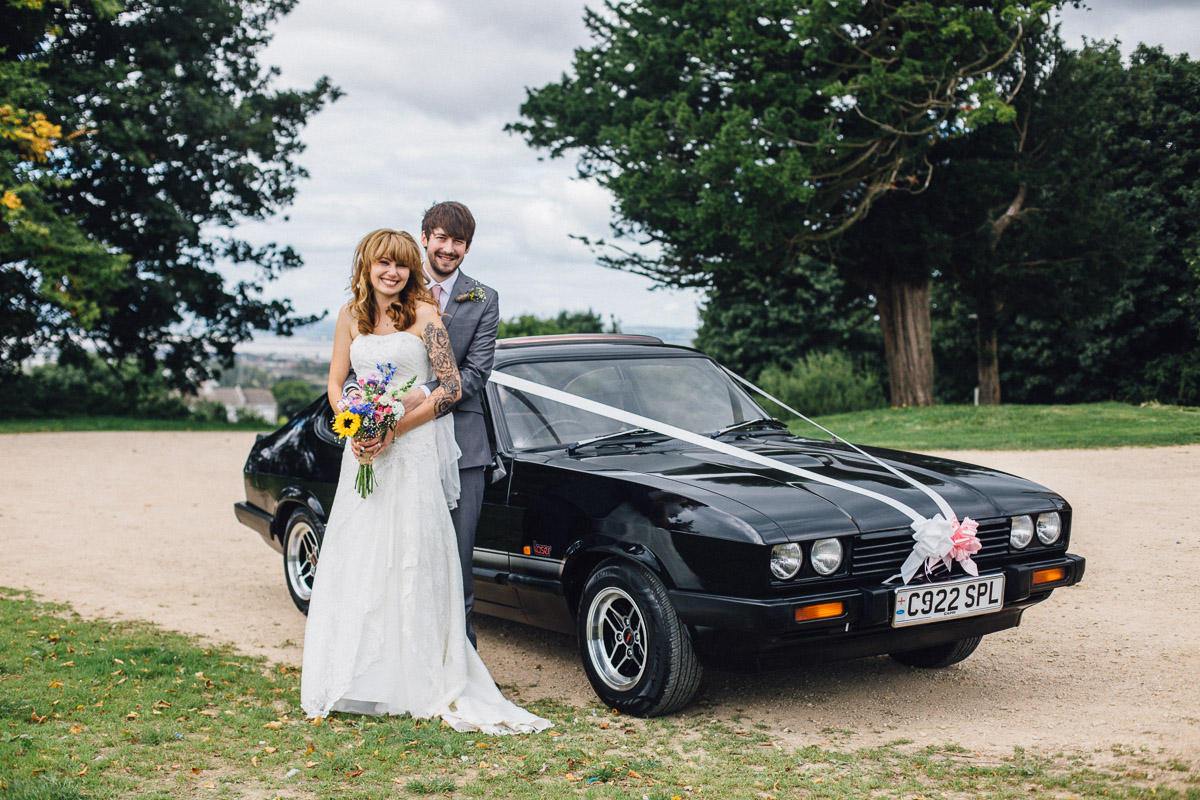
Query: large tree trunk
x=904 y=317
x=988 y=362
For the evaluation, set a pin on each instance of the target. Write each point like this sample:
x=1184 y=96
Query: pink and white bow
x=941 y=540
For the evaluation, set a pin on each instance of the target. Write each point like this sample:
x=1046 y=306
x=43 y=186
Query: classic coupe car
x=662 y=554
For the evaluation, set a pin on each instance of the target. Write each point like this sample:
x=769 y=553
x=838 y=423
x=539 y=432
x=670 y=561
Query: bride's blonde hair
x=401 y=249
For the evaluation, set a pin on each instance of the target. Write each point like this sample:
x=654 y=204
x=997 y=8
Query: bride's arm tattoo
x=441 y=356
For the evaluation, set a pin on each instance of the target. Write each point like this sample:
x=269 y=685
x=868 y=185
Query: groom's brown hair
x=452 y=217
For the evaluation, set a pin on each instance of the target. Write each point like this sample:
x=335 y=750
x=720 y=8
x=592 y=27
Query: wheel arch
x=583 y=562
x=289 y=500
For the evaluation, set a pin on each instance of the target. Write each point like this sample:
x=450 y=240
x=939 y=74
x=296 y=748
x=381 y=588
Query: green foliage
x=767 y=319
x=1092 y=288
x=566 y=322
x=86 y=386
x=293 y=395
x=824 y=383
x=158 y=128
x=210 y=411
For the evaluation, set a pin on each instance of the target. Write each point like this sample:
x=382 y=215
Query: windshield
x=692 y=393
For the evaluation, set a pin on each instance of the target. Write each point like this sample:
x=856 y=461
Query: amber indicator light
x=819 y=611
x=1049 y=575
x=526 y=550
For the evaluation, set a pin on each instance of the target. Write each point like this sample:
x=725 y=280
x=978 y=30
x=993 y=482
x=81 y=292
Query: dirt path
x=142 y=526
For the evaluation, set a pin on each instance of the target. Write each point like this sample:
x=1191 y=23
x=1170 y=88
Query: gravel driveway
x=139 y=525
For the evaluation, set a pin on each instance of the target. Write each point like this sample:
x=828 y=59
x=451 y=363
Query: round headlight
x=1049 y=527
x=826 y=556
x=1022 y=532
x=786 y=560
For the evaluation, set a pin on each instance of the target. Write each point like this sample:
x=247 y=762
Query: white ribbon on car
x=933 y=536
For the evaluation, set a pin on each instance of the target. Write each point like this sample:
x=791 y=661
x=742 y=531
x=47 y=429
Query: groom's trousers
x=466 y=520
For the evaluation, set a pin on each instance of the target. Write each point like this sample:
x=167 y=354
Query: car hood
x=783 y=506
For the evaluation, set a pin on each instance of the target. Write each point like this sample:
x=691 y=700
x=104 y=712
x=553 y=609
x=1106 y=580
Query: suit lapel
x=458 y=313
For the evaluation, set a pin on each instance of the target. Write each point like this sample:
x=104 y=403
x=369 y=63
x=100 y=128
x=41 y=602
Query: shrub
x=824 y=383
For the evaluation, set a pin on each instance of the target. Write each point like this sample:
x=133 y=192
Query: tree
x=1093 y=280
x=293 y=395
x=76 y=269
x=1149 y=336
x=1042 y=237
x=777 y=319
x=174 y=134
x=737 y=136
x=566 y=322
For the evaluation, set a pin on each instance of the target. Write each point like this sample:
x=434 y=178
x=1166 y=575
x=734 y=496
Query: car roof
x=585 y=345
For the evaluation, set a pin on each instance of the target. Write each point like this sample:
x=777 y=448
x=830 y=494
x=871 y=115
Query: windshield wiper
x=746 y=424
x=613 y=435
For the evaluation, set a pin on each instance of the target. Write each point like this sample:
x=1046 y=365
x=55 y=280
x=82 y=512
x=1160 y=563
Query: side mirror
x=497 y=470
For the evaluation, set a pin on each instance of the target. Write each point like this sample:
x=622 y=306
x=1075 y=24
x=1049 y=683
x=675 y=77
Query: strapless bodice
x=370 y=352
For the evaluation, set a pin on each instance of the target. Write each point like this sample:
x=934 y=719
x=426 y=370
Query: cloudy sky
x=430 y=85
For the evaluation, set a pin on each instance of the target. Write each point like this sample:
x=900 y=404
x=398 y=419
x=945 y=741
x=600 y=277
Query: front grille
x=885 y=551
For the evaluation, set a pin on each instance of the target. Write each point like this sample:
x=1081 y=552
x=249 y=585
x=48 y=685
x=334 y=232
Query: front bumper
x=753 y=633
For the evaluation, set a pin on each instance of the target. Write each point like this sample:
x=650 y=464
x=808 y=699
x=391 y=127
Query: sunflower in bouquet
x=373 y=414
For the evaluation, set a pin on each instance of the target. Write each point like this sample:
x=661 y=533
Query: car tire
x=940 y=655
x=636 y=653
x=302 y=537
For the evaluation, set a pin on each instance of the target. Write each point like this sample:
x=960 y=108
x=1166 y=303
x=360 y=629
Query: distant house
x=241 y=402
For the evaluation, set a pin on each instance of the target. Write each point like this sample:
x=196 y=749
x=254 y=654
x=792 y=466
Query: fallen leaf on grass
x=83 y=771
x=357 y=771
x=55 y=684
x=310 y=764
x=275 y=724
x=33 y=716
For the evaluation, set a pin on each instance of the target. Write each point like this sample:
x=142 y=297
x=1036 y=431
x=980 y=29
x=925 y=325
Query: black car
x=662 y=554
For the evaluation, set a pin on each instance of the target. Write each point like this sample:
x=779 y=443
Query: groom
x=471 y=313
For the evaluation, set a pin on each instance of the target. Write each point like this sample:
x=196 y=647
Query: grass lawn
x=99 y=709
x=1014 y=427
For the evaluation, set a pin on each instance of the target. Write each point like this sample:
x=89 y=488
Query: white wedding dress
x=386 y=628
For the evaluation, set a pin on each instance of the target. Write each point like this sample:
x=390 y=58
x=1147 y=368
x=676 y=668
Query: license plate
x=933 y=602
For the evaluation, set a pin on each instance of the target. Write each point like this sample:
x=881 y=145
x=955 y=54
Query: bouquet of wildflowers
x=372 y=415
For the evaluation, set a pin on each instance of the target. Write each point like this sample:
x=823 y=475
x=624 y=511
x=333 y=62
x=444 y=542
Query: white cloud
x=1174 y=24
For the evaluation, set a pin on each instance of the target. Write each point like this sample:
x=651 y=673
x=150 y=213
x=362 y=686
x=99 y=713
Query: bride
x=384 y=632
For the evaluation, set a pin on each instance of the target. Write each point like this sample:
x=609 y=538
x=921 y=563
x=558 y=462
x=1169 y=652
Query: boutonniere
x=476 y=295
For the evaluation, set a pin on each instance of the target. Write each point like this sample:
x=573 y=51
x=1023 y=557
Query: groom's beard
x=440 y=269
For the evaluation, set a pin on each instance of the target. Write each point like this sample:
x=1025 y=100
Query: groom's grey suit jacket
x=472 y=325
